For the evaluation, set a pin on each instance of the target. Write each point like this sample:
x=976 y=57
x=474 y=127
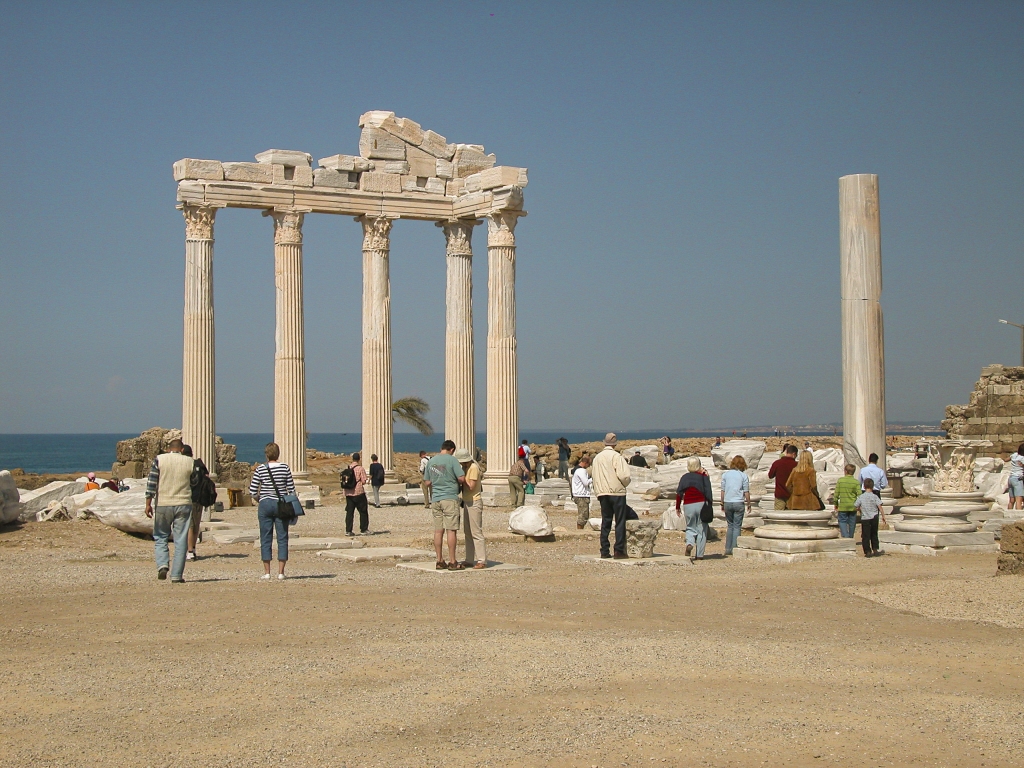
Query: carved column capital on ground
x=458 y=234
x=198 y=220
x=501 y=227
x=287 y=225
x=376 y=232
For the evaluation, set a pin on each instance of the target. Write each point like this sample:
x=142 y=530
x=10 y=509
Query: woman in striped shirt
x=269 y=483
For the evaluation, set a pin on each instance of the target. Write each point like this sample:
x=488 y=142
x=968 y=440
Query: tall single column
x=290 y=341
x=378 y=429
x=198 y=393
x=860 y=264
x=502 y=381
x=459 y=391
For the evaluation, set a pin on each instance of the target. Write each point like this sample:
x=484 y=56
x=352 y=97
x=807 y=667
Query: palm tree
x=411 y=410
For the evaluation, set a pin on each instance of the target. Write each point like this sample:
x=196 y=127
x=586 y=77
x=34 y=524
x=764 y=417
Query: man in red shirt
x=780 y=470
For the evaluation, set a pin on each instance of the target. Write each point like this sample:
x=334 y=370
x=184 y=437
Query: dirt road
x=899 y=660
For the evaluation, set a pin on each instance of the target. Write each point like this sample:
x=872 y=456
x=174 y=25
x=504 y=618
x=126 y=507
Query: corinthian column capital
x=459 y=236
x=287 y=225
x=198 y=220
x=376 y=232
x=501 y=227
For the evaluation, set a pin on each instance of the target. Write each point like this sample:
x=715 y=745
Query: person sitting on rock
x=91 y=484
x=636 y=460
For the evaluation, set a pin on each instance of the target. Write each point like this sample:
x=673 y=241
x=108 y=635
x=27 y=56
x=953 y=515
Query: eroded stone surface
x=640 y=537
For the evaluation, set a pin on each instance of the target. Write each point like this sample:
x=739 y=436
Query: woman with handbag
x=271 y=483
x=803 y=484
x=694 y=493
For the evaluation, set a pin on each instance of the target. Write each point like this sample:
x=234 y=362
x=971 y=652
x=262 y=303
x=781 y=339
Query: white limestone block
x=189 y=168
x=10 y=498
x=380 y=182
x=257 y=173
x=499 y=176
x=650 y=453
x=750 y=450
x=380 y=145
x=435 y=186
x=530 y=521
x=328 y=177
x=455 y=187
x=298 y=175
x=289 y=157
x=443 y=169
x=374 y=118
x=350 y=163
x=401 y=167
x=470 y=159
x=34 y=501
x=437 y=145
x=420 y=163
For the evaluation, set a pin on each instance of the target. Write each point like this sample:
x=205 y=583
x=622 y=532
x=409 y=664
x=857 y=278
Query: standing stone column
x=502 y=382
x=290 y=341
x=860 y=260
x=378 y=429
x=459 y=393
x=198 y=393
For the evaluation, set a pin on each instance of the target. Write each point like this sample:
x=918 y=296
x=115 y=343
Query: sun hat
x=462 y=455
x=610 y=439
x=91 y=475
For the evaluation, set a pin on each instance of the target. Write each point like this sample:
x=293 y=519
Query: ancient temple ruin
x=994 y=411
x=400 y=171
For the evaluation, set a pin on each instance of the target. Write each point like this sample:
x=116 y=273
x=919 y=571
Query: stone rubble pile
x=135 y=456
x=530 y=521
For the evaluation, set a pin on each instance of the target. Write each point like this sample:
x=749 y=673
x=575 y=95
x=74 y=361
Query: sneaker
x=161 y=573
x=349 y=533
x=190 y=555
x=280 y=577
x=364 y=533
x=265 y=577
x=689 y=549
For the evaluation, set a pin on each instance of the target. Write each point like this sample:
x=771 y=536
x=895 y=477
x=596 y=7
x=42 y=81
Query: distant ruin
x=994 y=411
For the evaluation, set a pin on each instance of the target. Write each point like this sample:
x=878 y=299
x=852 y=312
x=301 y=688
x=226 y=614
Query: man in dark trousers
x=780 y=470
x=376 y=478
x=355 y=498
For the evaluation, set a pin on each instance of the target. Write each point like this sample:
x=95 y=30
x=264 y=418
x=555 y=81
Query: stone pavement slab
x=655 y=559
x=377 y=553
x=306 y=543
x=491 y=566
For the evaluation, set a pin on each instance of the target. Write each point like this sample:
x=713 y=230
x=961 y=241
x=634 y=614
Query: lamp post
x=1015 y=325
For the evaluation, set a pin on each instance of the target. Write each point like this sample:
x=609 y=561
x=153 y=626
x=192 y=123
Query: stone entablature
x=994 y=411
x=401 y=171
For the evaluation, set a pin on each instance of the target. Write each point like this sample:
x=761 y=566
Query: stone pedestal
x=791 y=535
x=290 y=343
x=502 y=381
x=198 y=392
x=860 y=266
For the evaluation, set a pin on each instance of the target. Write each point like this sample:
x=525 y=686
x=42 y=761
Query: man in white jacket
x=610 y=473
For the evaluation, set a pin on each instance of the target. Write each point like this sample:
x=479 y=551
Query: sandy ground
x=899 y=660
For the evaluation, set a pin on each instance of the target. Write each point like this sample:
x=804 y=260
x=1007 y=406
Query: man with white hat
x=472 y=511
x=611 y=476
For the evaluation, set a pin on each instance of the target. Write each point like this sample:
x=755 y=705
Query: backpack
x=204 y=490
x=521 y=453
x=348 y=479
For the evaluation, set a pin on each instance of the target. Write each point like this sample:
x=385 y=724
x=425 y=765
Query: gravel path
x=855 y=662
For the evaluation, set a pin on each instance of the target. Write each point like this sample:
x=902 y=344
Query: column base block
x=495 y=492
x=938 y=543
x=793 y=551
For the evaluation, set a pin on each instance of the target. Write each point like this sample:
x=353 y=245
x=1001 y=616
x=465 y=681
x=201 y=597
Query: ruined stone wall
x=994 y=412
x=135 y=456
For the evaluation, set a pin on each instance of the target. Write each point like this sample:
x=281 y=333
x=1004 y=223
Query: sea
x=55 y=453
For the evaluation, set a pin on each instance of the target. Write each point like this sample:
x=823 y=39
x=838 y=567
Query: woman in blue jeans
x=735 y=499
x=693 y=490
x=269 y=483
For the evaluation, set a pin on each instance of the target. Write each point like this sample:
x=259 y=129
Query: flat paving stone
x=236 y=537
x=306 y=543
x=376 y=553
x=654 y=559
x=491 y=566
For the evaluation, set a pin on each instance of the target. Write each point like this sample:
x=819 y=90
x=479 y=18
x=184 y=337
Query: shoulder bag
x=288 y=506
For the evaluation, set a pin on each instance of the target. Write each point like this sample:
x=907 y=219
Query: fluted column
x=290 y=341
x=198 y=393
x=459 y=391
x=377 y=424
x=502 y=381
x=860 y=260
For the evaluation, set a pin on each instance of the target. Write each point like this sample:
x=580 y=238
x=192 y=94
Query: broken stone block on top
x=299 y=175
x=470 y=159
x=290 y=157
x=351 y=163
x=380 y=182
x=455 y=187
x=189 y=168
x=437 y=145
x=499 y=176
x=328 y=177
x=423 y=184
x=256 y=173
x=401 y=167
x=443 y=169
x=420 y=163
x=380 y=145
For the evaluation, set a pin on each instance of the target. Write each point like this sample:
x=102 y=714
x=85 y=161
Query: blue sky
x=679 y=266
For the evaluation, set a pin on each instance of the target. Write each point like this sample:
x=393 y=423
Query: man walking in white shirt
x=582 y=483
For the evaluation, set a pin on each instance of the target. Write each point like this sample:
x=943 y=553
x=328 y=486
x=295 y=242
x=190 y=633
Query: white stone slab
x=782 y=557
x=918 y=549
x=401 y=167
x=491 y=566
x=257 y=173
x=236 y=537
x=350 y=163
x=34 y=501
x=290 y=157
x=978 y=538
x=655 y=559
x=796 y=546
x=309 y=543
x=498 y=176
x=189 y=168
x=376 y=553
